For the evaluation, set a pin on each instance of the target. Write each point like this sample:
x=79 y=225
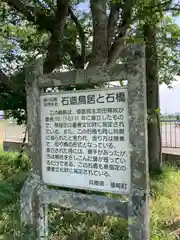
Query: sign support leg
x=138 y=202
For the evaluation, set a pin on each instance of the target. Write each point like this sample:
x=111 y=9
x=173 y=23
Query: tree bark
x=122 y=29
x=54 y=56
x=32 y=14
x=114 y=16
x=99 y=53
x=154 y=136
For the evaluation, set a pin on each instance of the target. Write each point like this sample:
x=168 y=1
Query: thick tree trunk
x=54 y=56
x=99 y=55
x=154 y=136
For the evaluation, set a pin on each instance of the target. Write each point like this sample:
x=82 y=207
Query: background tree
x=68 y=36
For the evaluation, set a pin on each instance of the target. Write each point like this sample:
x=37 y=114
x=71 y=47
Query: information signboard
x=85 y=140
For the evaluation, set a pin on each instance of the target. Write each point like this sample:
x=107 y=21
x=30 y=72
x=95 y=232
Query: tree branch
x=32 y=14
x=55 y=46
x=81 y=34
x=75 y=57
x=159 y=7
x=7 y=84
x=3 y=77
x=112 y=22
x=126 y=19
x=20 y=7
x=173 y=9
x=100 y=45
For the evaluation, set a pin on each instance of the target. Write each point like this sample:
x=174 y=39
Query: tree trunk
x=99 y=55
x=54 y=56
x=152 y=84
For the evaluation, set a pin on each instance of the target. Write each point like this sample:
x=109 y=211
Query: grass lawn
x=164 y=208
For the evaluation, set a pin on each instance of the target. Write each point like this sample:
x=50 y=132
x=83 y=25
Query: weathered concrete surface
x=87 y=203
x=31 y=194
x=173 y=151
x=138 y=199
x=134 y=71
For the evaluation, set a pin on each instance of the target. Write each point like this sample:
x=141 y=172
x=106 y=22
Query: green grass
x=168 y=117
x=165 y=204
x=64 y=224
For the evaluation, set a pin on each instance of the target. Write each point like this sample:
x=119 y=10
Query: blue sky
x=177 y=20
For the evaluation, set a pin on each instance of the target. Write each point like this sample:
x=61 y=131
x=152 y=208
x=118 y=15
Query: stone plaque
x=85 y=140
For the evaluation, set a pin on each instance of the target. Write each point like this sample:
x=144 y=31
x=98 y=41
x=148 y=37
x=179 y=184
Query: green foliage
x=164 y=204
x=167 y=46
x=13 y=172
x=65 y=224
x=23 y=36
x=168 y=35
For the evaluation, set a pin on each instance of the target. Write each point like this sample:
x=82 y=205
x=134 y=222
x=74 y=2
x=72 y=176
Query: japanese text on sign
x=85 y=140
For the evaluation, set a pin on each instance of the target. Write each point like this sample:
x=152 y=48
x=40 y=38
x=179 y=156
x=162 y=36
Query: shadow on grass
x=158 y=177
x=65 y=224
x=13 y=172
x=173 y=227
x=165 y=204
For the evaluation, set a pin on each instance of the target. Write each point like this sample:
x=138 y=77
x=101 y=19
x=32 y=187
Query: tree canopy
x=69 y=35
